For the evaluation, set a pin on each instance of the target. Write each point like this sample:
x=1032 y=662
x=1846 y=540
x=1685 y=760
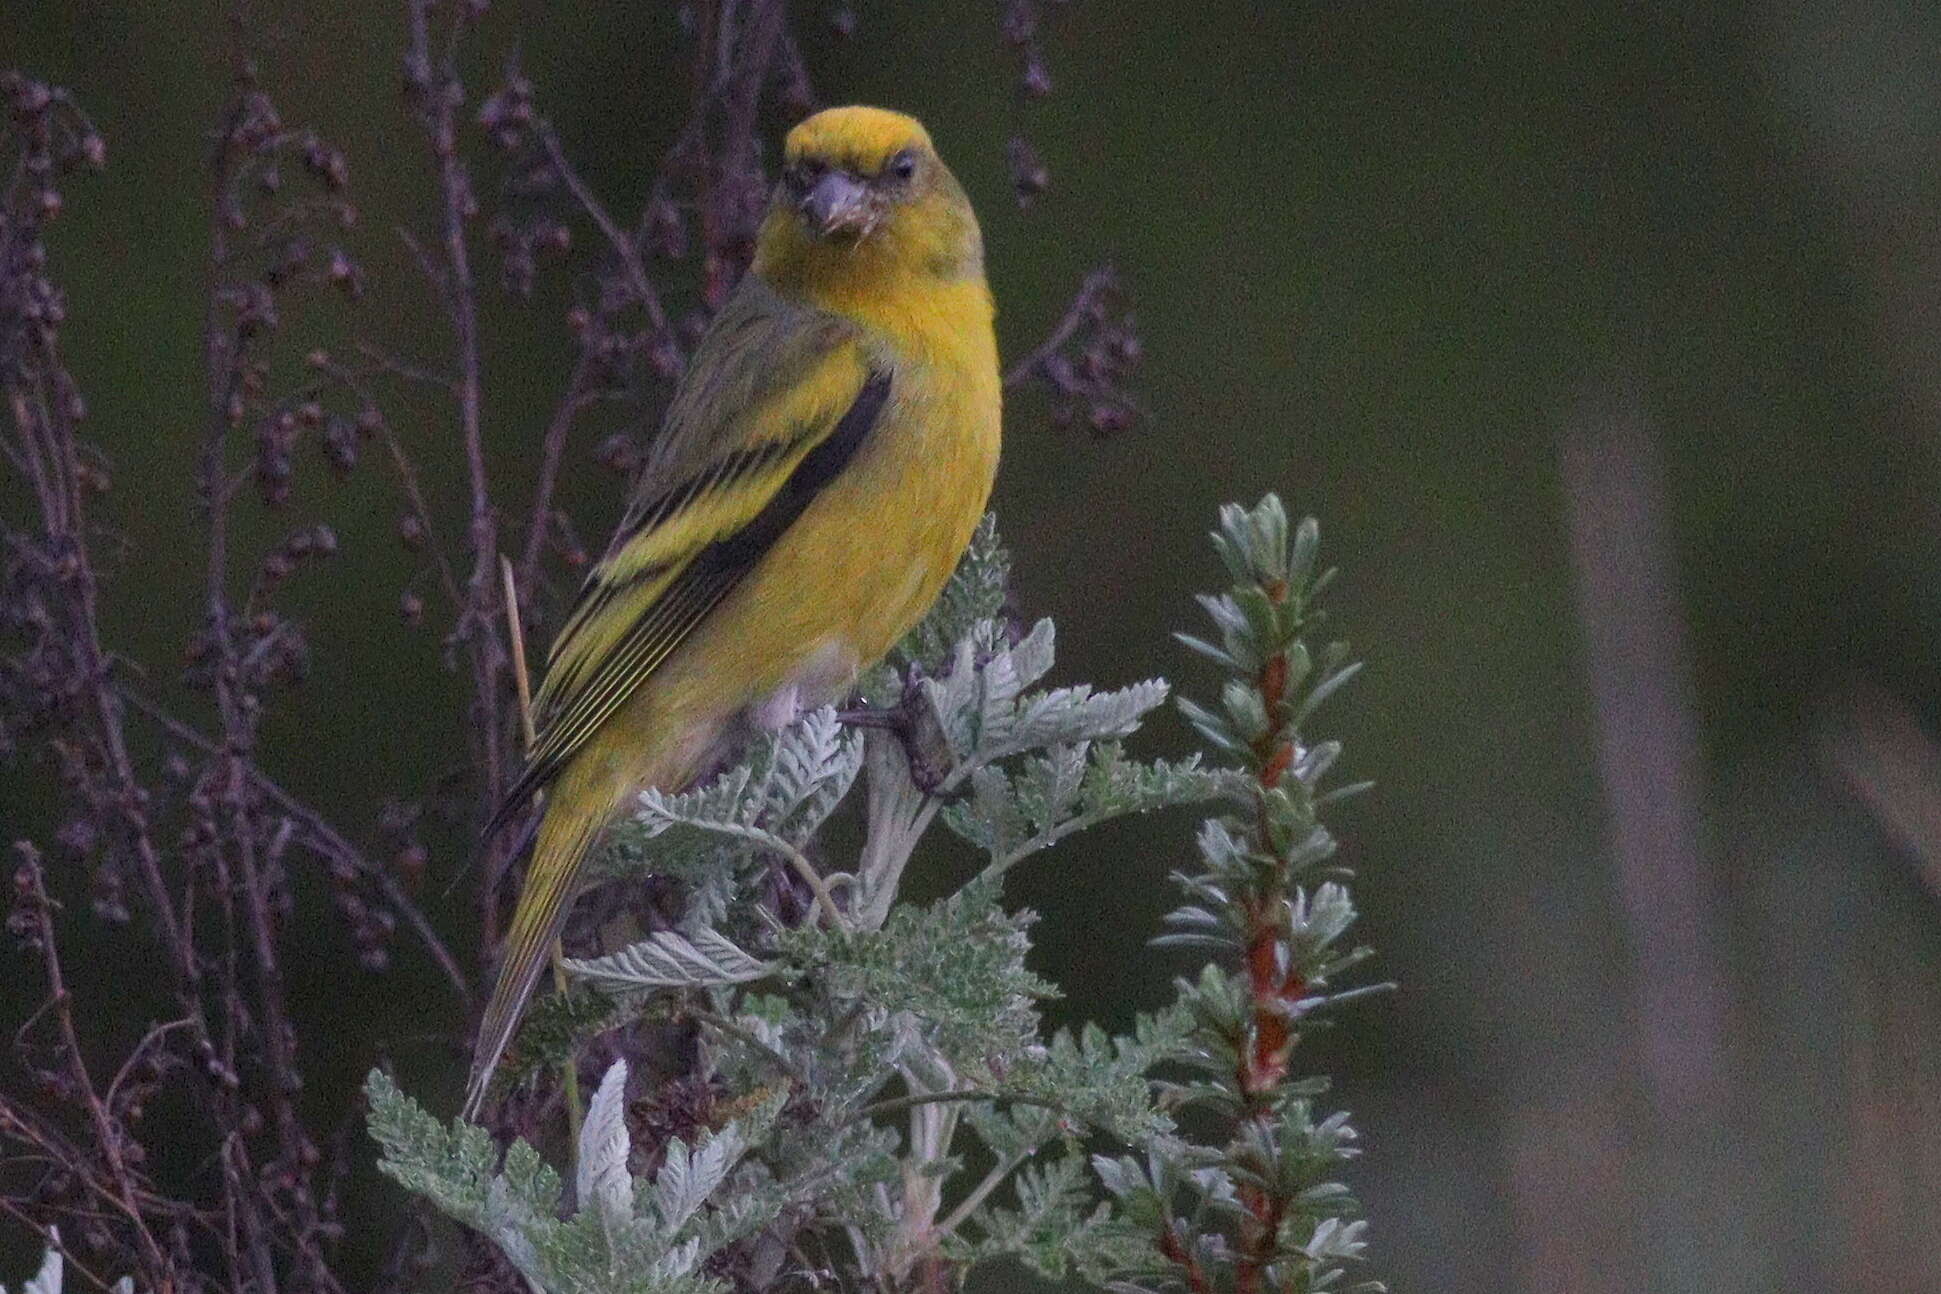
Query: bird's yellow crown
x=861 y=139
x=869 y=223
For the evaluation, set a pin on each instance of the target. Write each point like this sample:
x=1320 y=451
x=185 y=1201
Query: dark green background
x=1381 y=254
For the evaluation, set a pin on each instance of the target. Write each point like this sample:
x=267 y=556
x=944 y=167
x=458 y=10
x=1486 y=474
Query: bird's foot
x=926 y=748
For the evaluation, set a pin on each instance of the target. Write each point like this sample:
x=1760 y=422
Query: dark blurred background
x=1605 y=342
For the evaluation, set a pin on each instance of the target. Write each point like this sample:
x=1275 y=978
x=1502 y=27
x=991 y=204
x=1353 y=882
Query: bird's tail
x=566 y=835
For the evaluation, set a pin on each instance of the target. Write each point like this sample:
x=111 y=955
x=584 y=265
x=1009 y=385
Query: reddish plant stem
x=238 y=863
x=733 y=58
x=1174 y=1250
x=223 y=383
x=1270 y=985
x=46 y=428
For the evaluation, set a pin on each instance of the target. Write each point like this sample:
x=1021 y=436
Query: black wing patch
x=708 y=577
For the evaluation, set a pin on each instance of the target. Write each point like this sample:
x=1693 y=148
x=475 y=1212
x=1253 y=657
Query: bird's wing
x=777 y=401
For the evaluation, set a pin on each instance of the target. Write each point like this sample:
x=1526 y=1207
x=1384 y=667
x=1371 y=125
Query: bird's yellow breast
x=866 y=559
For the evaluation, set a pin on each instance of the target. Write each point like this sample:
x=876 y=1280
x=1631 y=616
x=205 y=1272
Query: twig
x=891 y=1105
x=515 y=634
x=397 y=366
x=1639 y=665
x=968 y=1205
x=626 y=249
x=432 y=83
x=1095 y=285
x=107 y=1136
x=552 y=450
x=327 y=837
x=1175 y=1250
x=53 y=1238
x=140 y=1049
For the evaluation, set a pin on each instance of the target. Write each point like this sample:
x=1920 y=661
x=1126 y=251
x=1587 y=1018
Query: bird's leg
x=778 y=710
x=928 y=749
x=865 y=716
x=917 y=730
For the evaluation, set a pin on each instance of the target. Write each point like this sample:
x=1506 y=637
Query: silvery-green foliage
x=1012 y=813
x=53 y=1273
x=1039 y=765
x=669 y=959
x=774 y=800
x=1101 y=1079
x=1058 y=1228
x=955 y=969
x=621 y=1235
x=987 y=711
x=867 y=1060
x=49 y=1278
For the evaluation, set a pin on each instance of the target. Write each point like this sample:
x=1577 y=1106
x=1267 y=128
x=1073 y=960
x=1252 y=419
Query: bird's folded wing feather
x=777 y=401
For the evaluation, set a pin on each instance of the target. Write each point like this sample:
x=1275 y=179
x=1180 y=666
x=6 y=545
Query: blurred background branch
x=1639 y=667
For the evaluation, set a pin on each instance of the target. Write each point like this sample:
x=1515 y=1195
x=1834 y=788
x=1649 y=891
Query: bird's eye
x=903 y=166
x=801 y=175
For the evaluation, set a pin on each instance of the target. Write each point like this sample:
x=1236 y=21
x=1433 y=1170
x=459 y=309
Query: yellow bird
x=819 y=473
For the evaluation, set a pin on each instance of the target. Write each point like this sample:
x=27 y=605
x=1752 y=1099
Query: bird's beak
x=838 y=204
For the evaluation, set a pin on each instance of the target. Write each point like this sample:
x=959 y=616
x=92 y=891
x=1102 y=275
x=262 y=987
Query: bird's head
x=864 y=191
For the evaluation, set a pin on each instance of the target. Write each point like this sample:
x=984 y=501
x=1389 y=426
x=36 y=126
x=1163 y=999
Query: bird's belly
x=855 y=572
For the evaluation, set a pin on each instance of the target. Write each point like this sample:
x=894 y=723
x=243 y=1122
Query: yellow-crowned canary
x=820 y=471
